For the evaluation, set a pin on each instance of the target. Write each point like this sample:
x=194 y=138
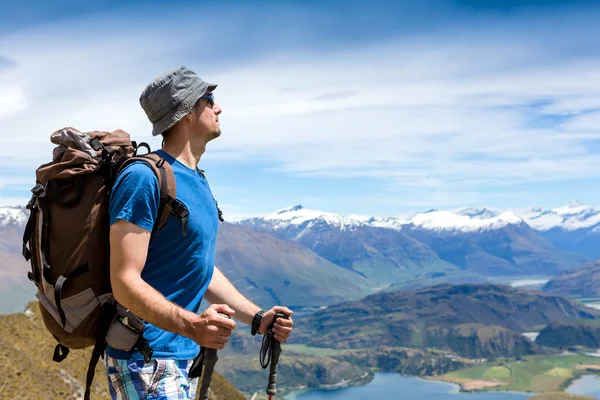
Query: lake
x=587 y=385
x=392 y=386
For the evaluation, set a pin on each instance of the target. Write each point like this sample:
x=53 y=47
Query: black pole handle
x=209 y=360
x=275 y=352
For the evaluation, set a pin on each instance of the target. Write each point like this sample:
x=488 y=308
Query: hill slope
x=28 y=372
x=403 y=318
x=582 y=281
x=585 y=333
x=273 y=271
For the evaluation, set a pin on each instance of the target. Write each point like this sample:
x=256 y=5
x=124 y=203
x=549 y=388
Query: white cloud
x=451 y=113
x=12 y=100
x=586 y=123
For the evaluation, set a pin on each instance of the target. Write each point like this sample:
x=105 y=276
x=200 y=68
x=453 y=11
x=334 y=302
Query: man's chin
x=215 y=134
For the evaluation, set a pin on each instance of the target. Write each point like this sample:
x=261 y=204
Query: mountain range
x=462 y=243
x=303 y=257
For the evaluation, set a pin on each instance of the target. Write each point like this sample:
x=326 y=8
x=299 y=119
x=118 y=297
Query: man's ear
x=189 y=117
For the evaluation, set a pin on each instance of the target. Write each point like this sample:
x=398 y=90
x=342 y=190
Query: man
x=162 y=278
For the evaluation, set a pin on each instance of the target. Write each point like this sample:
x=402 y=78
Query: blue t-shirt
x=178 y=267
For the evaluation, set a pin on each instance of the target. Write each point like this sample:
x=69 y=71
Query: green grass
x=562 y=372
x=497 y=372
x=539 y=373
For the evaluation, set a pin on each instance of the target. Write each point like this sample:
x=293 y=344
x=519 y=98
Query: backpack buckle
x=178 y=208
x=38 y=189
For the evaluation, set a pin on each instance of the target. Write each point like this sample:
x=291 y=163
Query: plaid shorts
x=158 y=379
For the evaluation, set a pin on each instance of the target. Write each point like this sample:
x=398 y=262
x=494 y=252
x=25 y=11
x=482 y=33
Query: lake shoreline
x=360 y=381
x=451 y=388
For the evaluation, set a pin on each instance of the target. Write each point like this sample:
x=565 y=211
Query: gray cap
x=171 y=96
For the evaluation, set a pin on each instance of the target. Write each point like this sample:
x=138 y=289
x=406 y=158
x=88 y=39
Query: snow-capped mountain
x=571 y=217
x=574 y=227
x=479 y=213
x=299 y=216
x=14 y=285
x=479 y=240
x=13 y=216
x=382 y=255
x=12 y=224
x=463 y=220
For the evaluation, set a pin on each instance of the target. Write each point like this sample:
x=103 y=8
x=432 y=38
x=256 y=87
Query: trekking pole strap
x=197 y=366
x=269 y=354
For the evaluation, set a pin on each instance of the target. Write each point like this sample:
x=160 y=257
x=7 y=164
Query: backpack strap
x=216 y=204
x=168 y=190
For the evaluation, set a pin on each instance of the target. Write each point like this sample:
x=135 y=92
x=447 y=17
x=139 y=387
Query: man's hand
x=212 y=330
x=283 y=326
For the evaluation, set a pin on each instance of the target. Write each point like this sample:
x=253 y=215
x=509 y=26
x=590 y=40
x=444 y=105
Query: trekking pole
x=210 y=360
x=272 y=346
x=206 y=360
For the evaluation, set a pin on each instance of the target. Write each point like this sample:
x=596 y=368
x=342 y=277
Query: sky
x=373 y=108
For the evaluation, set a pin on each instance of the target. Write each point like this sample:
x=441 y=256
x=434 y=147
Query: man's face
x=206 y=119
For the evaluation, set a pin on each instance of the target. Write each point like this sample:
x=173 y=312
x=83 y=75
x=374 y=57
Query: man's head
x=179 y=97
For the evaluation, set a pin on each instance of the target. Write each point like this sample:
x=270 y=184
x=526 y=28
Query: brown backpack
x=66 y=239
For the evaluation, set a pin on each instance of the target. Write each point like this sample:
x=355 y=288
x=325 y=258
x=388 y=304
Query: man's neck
x=184 y=152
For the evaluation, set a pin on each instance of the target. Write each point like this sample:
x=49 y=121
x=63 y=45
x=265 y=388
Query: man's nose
x=218 y=110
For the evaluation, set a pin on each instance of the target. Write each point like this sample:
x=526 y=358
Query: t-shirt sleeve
x=135 y=196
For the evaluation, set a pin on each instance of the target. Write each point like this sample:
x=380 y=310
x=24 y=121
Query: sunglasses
x=210 y=98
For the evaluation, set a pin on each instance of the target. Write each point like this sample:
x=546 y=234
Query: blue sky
x=375 y=108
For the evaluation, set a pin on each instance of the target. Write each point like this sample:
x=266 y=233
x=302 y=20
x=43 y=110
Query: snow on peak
x=446 y=220
x=297 y=207
x=297 y=215
x=13 y=215
x=469 y=221
x=570 y=217
x=478 y=212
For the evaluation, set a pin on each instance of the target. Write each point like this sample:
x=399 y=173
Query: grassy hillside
x=28 y=372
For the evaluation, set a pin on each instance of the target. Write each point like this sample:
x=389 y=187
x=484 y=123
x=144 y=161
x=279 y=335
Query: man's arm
x=129 y=247
x=221 y=290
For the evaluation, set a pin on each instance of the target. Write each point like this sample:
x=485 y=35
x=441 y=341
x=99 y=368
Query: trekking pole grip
x=210 y=360
x=275 y=352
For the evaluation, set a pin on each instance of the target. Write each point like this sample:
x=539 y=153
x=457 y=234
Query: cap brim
x=211 y=87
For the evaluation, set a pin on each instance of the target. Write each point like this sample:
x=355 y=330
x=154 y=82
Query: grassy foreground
x=539 y=373
x=28 y=372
